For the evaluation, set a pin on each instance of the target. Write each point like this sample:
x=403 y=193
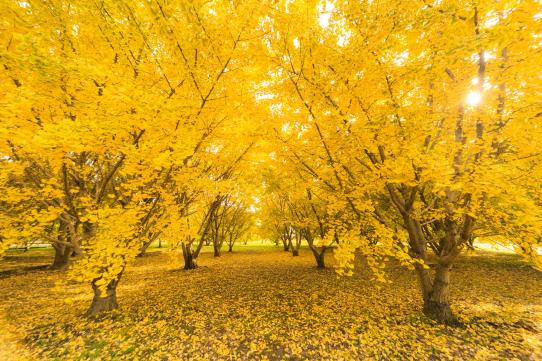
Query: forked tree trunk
x=230 y=248
x=63 y=254
x=319 y=257
x=285 y=245
x=104 y=301
x=435 y=291
x=436 y=294
x=189 y=259
x=320 y=260
x=436 y=304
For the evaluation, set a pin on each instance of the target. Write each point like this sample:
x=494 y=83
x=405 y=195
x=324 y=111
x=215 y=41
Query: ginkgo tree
x=84 y=149
x=106 y=120
x=422 y=118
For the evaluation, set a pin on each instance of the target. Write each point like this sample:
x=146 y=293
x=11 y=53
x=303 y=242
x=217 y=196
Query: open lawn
x=261 y=303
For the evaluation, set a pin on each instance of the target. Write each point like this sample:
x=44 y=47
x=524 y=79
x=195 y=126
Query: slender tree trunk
x=104 y=301
x=296 y=246
x=144 y=248
x=151 y=237
x=63 y=254
x=231 y=243
x=217 y=249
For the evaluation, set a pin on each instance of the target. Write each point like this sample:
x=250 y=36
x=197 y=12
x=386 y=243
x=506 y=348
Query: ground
x=261 y=303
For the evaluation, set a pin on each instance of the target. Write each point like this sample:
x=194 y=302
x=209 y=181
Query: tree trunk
x=319 y=257
x=436 y=292
x=296 y=246
x=190 y=262
x=320 y=260
x=231 y=243
x=285 y=246
x=63 y=254
x=437 y=303
x=217 y=251
x=189 y=259
x=144 y=248
x=104 y=301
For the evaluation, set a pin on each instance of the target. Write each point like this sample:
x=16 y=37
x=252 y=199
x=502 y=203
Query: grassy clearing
x=260 y=303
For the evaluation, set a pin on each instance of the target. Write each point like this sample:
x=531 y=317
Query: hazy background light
x=473 y=98
x=325 y=8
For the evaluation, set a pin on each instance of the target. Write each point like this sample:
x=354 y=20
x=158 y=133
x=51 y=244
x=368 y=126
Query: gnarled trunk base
x=320 y=263
x=436 y=295
x=295 y=252
x=190 y=262
x=103 y=302
x=319 y=257
x=62 y=257
x=189 y=258
x=440 y=312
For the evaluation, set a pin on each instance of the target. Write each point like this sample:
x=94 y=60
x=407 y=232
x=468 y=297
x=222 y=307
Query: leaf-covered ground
x=259 y=304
